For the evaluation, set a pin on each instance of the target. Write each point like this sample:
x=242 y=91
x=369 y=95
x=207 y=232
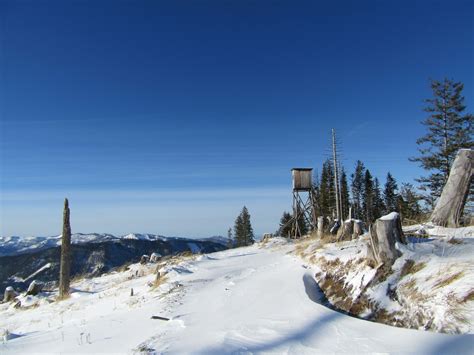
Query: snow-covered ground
x=256 y=299
x=430 y=286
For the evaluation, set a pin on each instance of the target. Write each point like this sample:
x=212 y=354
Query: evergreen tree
x=285 y=225
x=368 y=198
x=345 y=203
x=357 y=187
x=230 y=240
x=379 y=206
x=317 y=195
x=449 y=129
x=327 y=195
x=409 y=203
x=303 y=227
x=390 y=195
x=243 y=230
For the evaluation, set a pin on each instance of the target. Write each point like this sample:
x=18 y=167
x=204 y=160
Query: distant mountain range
x=24 y=259
x=15 y=245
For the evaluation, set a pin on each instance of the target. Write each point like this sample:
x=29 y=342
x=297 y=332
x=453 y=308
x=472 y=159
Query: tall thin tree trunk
x=65 y=266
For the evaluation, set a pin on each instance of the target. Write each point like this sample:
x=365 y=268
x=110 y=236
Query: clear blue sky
x=168 y=117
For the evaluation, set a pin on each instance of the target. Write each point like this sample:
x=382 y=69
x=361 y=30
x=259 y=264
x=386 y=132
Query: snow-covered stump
x=357 y=229
x=155 y=257
x=144 y=259
x=450 y=205
x=384 y=233
x=9 y=294
x=345 y=233
x=35 y=288
x=335 y=227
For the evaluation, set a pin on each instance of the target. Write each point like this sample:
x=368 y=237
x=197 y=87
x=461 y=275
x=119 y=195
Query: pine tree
x=285 y=225
x=65 y=264
x=390 y=195
x=243 y=230
x=409 y=203
x=327 y=189
x=345 y=202
x=379 y=206
x=357 y=187
x=368 y=198
x=317 y=195
x=449 y=129
x=230 y=240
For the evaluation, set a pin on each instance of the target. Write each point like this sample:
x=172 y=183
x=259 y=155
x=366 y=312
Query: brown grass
x=449 y=280
x=159 y=281
x=410 y=267
x=468 y=297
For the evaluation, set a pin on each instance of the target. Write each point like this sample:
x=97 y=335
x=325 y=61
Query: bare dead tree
x=65 y=266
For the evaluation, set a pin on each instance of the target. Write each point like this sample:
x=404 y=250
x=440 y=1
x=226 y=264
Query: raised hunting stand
x=303 y=200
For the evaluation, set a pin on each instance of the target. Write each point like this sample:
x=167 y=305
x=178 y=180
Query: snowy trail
x=246 y=300
x=255 y=300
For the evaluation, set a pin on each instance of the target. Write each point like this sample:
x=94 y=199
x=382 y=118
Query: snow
x=434 y=293
x=256 y=299
x=390 y=216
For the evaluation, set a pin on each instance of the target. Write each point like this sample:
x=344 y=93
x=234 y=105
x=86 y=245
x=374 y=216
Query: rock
x=9 y=294
x=384 y=234
x=35 y=288
x=450 y=205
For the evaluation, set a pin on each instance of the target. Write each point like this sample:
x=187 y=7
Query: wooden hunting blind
x=302 y=179
x=303 y=204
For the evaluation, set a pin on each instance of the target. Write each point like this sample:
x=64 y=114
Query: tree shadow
x=308 y=331
x=457 y=344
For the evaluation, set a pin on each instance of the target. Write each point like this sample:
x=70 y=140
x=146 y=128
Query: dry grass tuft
x=455 y=241
x=449 y=280
x=468 y=297
x=159 y=281
x=410 y=267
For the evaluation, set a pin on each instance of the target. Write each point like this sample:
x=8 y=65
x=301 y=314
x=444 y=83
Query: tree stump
x=357 y=229
x=321 y=226
x=450 y=205
x=9 y=294
x=384 y=233
x=155 y=257
x=144 y=259
x=335 y=227
x=35 y=288
x=345 y=233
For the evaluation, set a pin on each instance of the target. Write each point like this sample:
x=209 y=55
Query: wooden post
x=65 y=266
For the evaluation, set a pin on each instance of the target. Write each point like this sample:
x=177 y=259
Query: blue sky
x=168 y=117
